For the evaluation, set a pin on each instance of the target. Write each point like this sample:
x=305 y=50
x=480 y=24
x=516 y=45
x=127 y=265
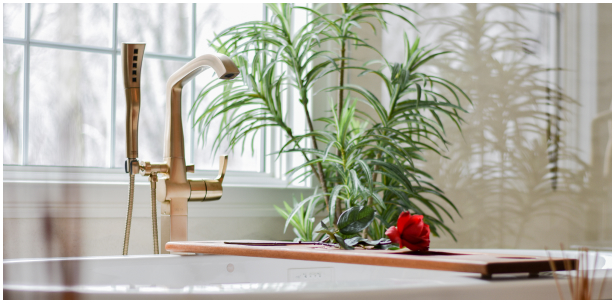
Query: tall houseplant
x=364 y=162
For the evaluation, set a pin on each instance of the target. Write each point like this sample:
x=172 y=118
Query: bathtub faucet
x=169 y=181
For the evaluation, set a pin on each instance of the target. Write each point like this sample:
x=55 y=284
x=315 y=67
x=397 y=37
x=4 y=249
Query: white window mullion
x=307 y=143
x=290 y=111
x=111 y=157
x=264 y=163
x=71 y=47
x=193 y=88
x=26 y=88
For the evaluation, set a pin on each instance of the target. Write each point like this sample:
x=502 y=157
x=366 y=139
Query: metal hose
x=153 y=179
x=131 y=194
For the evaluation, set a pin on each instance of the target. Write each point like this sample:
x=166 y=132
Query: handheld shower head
x=132 y=59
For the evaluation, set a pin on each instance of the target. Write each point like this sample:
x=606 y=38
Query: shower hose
x=153 y=178
x=131 y=193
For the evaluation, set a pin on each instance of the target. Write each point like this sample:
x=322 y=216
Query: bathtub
x=237 y=277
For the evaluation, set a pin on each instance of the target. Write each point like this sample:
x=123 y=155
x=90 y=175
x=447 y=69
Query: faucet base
x=173 y=228
x=165 y=232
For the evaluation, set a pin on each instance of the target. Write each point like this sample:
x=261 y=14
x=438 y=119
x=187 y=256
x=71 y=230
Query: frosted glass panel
x=204 y=156
x=154 y=76
x=75 y=23
x=13 y=20
x=70 y=105
x=12 y=103
x=213 y=18
x=164 y=27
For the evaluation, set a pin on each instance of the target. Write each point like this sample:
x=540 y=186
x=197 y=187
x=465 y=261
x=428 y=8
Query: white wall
x=499 y=174
x=88 y=219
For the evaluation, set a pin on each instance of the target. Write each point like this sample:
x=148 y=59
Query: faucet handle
x=207 y=189
x=190 y=168
x=214 y=187
x=222 y=169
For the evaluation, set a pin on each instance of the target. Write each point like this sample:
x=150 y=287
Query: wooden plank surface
x=485 y=264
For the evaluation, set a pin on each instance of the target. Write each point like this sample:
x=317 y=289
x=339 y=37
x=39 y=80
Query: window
x=64 y=110
x=64 y=102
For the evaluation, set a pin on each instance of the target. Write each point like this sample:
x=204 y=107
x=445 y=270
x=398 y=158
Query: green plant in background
x=363 y=161
x=302 y=220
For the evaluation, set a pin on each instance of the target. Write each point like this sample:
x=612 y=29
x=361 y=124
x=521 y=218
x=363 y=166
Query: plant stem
x=340 y=106
x=320 y=174
x=370 y=200
x=318 y=171
x=340 y=100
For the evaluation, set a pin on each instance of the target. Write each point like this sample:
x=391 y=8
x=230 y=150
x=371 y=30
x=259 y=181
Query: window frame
x=269 y=170
x=19 y=202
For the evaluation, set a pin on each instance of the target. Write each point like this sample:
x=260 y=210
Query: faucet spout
x=224 y=68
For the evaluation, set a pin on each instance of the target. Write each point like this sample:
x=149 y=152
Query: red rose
x=410 y=232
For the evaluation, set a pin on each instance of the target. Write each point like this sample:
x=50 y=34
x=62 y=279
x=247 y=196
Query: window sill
x=71 y=192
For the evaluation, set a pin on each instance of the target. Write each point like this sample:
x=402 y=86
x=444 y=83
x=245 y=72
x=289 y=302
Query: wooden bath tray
x=485 y=264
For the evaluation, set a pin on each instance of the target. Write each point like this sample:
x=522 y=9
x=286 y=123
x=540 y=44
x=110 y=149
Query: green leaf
x=373 y=242
x=355 y=219
x=299 y=207
x=323 y=224
x=353 y=241
x=392 y=246
x=342 y=243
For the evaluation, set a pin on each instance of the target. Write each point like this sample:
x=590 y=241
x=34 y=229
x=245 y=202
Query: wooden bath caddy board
x=485 y=264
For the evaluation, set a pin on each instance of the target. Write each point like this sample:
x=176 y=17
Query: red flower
x=410 y=232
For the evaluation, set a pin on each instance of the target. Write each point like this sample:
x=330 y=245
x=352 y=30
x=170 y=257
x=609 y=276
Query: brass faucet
x=172 y=187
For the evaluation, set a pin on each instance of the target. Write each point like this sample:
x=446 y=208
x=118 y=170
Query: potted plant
x=364 y=162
